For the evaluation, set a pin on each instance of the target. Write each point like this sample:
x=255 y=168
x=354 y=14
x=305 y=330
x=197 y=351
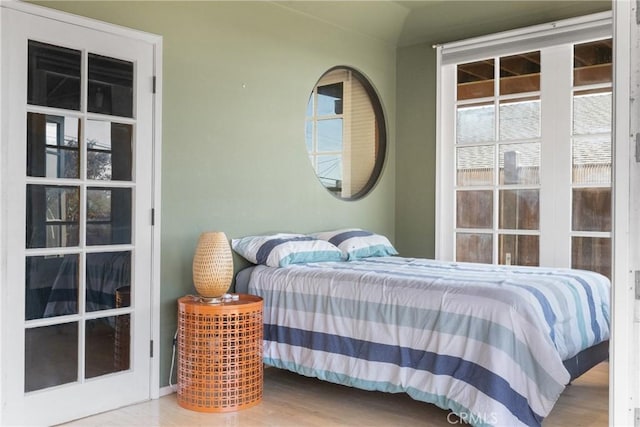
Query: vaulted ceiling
x=407 y=22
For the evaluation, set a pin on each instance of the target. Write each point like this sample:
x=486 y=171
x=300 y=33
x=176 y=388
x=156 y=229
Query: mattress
x=485 y=341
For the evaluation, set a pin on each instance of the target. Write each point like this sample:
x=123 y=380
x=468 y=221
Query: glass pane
x=309 y=136
x=591 y=159
x=520 y=163
x=107 y=274
x=108 y=216
x=51 y=286
x=50 y=356
x=520 y=73
x=53 y=76
x=519 y=209
x=52 y=146
x=107 y=345
x=110 y=86
x=591 y=209
x=52 y=216
x=109 y=155
x=591 y=253
x=519 y=250
x=330 y=99
x=474 y=165
x=474 y=209
x=592 y=62
x=474 y=247
x=519 y=119
x=330 y=135
x=475 y=79
x=329 y=171
x=475 y=123
x=591 y=113
x=310 y=106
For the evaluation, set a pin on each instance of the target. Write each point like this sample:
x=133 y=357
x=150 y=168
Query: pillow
x=356 y=243
x=282 y=249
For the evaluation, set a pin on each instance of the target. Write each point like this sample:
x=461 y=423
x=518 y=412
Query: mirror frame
x=381 y=131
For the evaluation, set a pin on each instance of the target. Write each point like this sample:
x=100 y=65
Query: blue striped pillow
x=282 y=249
x=357 y=243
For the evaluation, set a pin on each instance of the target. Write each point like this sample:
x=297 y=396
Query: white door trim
x=623 y=382
x=156 y=42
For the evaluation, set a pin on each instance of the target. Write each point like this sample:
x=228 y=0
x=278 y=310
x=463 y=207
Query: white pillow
x=357 y=243
x=282 y=249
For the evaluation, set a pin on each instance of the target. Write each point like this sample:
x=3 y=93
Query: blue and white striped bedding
x=484 y=341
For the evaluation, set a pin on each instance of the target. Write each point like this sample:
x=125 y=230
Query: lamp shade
x=212 y=265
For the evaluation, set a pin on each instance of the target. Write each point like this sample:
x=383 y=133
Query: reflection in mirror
x=345 y=133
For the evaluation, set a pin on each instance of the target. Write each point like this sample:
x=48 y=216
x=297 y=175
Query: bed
x=494 y=344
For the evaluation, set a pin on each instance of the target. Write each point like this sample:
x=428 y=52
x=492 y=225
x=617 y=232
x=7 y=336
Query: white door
x=76 y=157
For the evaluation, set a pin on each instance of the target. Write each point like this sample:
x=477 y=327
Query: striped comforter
x=484 y=341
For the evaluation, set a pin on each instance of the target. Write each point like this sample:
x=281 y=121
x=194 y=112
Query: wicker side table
x=220 y=354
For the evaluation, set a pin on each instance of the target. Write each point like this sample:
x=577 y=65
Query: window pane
x=591 y=159
x=475 y=80
x=309 y=136
x=52 y=146
x=52 y=216
x=53 y=76
x=591 y=209
x=50 y=356
x=592 y=62
x=474 y=165
x=330 y=99
x=519 y=119
x=107 y=273
x=51 y=286
x=108 y=216
x=519 y=250
x=520 y=163
x=591 y=113
x=110 y=86
x=310 y=106
x=109 y=155
x=106 y=339
x=329 y=171
x=519 y=209
x=475 y=123
x=474 y=247
x=520 y=73
x=474 y=209
x=591 y=253
x=330 y=135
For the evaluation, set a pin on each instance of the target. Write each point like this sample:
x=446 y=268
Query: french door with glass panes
x=77 y=119
x=530 y=143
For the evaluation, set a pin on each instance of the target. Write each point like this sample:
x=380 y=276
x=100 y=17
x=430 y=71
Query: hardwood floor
x=294 y=400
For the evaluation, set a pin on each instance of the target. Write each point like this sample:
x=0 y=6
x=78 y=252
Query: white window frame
x=591 y=27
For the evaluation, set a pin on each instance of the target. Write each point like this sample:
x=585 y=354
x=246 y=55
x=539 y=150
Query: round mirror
x=345 y=133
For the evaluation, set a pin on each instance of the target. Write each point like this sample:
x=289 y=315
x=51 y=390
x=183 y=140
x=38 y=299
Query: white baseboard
x=164 y=391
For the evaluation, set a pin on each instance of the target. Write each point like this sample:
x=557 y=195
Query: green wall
x=237 y=77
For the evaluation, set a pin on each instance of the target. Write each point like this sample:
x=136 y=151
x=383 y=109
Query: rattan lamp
x=212 y=265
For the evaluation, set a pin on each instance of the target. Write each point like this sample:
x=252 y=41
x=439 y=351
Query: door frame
x=624 y=368
x=156 y=134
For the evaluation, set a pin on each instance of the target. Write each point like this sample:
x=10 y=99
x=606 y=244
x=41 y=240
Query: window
x=525 y=143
